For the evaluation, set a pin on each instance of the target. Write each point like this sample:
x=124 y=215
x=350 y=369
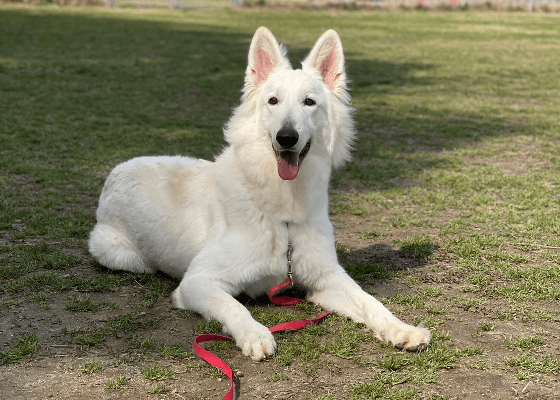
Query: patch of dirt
x=520 y=158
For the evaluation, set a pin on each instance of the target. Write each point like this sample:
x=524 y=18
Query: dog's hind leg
x=114 y=250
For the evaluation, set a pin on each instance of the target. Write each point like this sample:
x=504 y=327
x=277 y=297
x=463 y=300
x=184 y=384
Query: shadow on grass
x=114 y=87
x=84 y=89
x=89 y=87
x=381 y=261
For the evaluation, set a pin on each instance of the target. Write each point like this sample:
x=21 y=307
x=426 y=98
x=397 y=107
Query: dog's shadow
x=372 y=267
x=411 y=255
x=375 y=267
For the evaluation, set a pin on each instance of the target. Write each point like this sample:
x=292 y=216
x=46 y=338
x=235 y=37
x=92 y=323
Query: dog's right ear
x=265 y=54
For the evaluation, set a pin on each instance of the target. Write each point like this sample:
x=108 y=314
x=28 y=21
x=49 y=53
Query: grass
x=416 y=246
x=368 y=234
x=23 y=347
x=9 y=304
x=455 y=173
x=122 y=323
x=41 y=298
x=138 y=342
x=91 y=367
x=487 y=326
x=524 y=343
x=362 y=271
x=158 y=389
x=530 y=364
x=82 y=303
x=276 y=377
x=158 y=373
x=174 y=352
x=116 y=383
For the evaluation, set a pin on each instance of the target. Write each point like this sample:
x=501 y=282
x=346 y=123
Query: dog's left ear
x=328 y=58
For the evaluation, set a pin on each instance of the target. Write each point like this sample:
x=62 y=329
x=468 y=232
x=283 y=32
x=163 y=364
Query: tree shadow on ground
x=154 y=81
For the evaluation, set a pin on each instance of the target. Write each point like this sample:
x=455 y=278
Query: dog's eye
x=272 y=101
x=309 y=102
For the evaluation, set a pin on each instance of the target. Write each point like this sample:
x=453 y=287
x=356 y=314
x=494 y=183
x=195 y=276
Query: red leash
x=286 y=326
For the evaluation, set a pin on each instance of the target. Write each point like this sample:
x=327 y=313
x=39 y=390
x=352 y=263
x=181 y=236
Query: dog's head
x=299 y=112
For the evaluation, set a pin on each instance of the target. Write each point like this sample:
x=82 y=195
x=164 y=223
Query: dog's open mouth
x=289 y=161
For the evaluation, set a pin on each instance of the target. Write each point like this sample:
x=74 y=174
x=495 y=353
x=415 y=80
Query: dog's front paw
x=257 y=343
x=410 y=338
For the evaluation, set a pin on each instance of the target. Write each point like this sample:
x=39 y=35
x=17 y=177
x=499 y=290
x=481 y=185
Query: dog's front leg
x=338 y=292
x=212 y=299
x=331 y=287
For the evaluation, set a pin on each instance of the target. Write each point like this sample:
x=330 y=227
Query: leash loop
x=214 y=360
x=225 y=369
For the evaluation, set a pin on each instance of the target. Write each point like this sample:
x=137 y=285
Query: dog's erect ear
x=328 y=58
x=265 y=54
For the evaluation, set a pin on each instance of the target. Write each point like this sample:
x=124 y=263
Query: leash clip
x=289 y=257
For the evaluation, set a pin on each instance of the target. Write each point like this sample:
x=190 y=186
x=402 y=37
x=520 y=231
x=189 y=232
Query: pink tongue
x=287 y=171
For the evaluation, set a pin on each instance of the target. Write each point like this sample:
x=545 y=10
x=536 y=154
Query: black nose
x=287 y=137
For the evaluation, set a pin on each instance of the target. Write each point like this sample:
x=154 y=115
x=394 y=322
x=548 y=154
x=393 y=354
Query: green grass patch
x=488 y=327
x=41 y=298
x=211 y=326
x=91 y=367
x=81 y=303
x=469 y=304
x=138 y=342
x=412 y=280
x=362 y=271
x=9 y=304
x=530 y=364
x=174 y=351
x=527 y=315
x=524 y=343
x=158 y=388
x=123 y=323
x=23 y=347
x=116 y=383
x=479 y=365
x=341 y=205
x=276 y=377
x=158 y=373
x=408 y=300
x=372 y=233
x=336 y=335
x=418 y=247
x=341 y=251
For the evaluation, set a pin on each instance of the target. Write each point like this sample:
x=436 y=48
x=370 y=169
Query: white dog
x=224 y=227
